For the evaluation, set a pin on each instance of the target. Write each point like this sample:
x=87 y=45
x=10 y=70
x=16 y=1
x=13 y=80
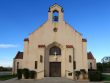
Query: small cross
x=55 y=55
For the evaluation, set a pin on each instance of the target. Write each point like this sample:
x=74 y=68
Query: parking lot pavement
x=5 y=73
x=46 y=80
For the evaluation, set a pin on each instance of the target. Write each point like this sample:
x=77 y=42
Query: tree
x=99 y=67
x=106 y=64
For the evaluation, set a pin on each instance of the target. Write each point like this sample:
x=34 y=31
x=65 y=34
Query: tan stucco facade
x=92 y=64
x=17 y=62
x=66 y=38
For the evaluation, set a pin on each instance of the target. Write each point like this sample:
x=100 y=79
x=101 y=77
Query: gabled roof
x=19 y=55
x=90 y=55
x=54 y=5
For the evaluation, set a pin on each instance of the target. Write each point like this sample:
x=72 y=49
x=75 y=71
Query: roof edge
x=26 y=39
x=84 y=40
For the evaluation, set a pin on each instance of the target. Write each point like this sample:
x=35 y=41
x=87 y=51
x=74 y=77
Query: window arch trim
x=55 y=16
x=55 y=50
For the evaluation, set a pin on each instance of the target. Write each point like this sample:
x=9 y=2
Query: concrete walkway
x=46 y=80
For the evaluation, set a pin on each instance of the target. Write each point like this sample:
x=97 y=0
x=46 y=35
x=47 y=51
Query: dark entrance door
x=55 y=69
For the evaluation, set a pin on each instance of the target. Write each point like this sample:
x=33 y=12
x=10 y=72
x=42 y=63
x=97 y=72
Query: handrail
x=40 y=71
x=69 y=71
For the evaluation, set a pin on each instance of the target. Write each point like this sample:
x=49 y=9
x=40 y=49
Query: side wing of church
x=55 y=49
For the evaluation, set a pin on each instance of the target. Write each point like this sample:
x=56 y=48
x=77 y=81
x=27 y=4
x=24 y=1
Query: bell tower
x=55 y=13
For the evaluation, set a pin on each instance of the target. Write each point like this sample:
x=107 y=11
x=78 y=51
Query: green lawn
x=106 y=78
x=6 y=77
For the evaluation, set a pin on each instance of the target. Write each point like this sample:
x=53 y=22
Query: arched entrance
x=52 y=63
x=55 y=67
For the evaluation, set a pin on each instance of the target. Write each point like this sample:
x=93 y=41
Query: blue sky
x=18 y=18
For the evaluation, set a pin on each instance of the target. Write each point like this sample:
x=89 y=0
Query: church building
x=55 y=49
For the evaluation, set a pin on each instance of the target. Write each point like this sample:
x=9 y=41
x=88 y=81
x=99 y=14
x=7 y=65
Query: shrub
x=92 y=70
x=19 y=73
x=26 y=73
x=105 y=77
x=32 y=74
x=100 y=67
x=94 y=75
x=77 y=74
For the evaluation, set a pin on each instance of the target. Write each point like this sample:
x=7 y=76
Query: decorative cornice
x=26 y=39
x=84 y=40
x=69 y=46
x=41 y=46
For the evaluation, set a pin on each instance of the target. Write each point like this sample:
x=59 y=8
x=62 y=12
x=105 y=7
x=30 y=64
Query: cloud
x=8 y=46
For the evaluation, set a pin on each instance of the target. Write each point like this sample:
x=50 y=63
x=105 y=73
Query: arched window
x=55 y=16
x=55 y=51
